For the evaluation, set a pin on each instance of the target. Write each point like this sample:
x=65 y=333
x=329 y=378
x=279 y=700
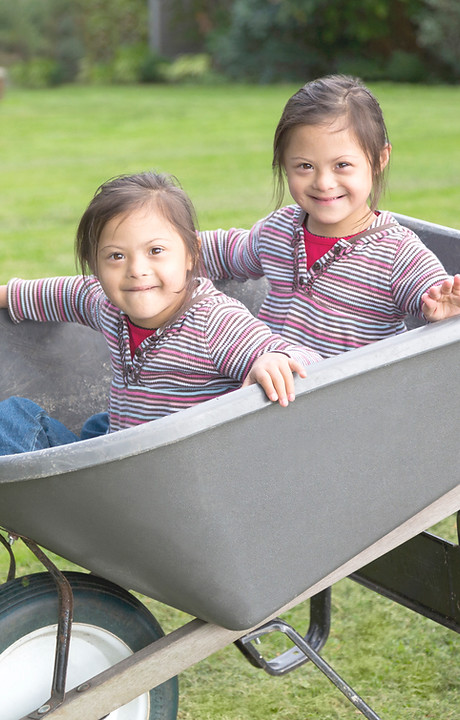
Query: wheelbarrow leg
x=321 y=664
x=64 y=627
x=316 y=636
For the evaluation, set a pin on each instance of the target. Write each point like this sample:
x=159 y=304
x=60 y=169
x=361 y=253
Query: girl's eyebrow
x=343 y=156
x=110 y=246
x=122 y=248
x=296 y=158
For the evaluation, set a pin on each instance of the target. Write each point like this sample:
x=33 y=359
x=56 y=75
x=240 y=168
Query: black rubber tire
x=30 y=603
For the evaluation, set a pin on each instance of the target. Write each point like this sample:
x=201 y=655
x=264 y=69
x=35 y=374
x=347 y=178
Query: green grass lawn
x=56 y=147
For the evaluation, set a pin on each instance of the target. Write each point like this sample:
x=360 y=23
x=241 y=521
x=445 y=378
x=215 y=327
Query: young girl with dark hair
x=174 y=339
x=341 y=273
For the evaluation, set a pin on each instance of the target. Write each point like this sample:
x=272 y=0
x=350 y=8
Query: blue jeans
x=25 y=426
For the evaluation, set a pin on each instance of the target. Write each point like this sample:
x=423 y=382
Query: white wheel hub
x=26 y=669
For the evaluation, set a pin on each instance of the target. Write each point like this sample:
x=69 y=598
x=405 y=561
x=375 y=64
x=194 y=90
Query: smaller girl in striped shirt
x=174 y=339
x=341 y=273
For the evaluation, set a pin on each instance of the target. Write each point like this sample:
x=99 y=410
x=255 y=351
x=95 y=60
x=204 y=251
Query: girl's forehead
x=331 y=135
x=142 y=223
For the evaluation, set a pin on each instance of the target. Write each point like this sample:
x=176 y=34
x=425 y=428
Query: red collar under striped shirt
x=316 y=245
x=137 y=335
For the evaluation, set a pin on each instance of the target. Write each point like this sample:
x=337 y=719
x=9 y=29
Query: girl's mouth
x=326 y=200
x=144 y=288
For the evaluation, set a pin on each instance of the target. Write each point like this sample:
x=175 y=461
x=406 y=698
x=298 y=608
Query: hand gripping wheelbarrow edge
x=250 y=508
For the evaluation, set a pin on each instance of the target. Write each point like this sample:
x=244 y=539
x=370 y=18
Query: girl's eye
x=156 y=250
x=305 y=166
x=342 y=165
x=116 y=256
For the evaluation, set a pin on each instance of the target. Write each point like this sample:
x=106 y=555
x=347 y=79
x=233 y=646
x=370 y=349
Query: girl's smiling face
x=330 y=177
x=142 y=264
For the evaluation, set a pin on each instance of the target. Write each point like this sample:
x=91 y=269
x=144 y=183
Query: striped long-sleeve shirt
x=358 y=292
x=203 y=354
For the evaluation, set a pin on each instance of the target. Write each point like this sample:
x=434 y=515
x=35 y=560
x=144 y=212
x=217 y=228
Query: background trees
x=269 y=40
x=55 y=41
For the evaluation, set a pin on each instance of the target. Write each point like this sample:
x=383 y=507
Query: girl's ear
x=385 y=157
x=190 y=262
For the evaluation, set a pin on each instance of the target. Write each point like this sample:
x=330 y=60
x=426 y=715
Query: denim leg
x=25 y=426
x=95 y=425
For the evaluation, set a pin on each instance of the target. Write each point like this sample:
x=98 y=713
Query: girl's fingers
x=274 y=373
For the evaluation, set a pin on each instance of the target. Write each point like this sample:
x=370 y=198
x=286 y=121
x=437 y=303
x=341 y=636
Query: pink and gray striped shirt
x=360 y=291
x=205 y=353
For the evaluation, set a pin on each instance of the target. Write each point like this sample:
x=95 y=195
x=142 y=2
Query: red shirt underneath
x=316 y=246
x=137 y=335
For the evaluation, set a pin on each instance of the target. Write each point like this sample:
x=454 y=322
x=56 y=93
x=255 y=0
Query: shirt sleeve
x=58 y=299
x=415 y=270
x=236 y=339
x=232 y=254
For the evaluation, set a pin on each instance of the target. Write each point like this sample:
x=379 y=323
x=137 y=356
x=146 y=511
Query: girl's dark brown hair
x=321 y=102
x=127 y=193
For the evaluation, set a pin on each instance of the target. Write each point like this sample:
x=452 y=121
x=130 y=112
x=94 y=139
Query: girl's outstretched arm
x=3 y=296
x=274 y=371
x=442 y=301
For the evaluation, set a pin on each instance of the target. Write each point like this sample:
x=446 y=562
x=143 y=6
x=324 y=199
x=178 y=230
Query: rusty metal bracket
x=12 y=568
x=64 y=627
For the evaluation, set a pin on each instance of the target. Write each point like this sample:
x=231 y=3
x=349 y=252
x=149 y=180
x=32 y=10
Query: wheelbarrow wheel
x=109 y=624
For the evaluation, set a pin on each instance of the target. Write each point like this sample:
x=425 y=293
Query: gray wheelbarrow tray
x=236 y=509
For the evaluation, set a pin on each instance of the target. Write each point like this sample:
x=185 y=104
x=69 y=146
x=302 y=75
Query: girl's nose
x=323 y=179
x=138 y=267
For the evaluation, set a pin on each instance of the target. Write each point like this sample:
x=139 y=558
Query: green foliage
x=108 y=25
x=152 y=68
x=35 y=73
x=106 y=41
x=264 y=43
x=439 y=30
x=125 y=67
x=38 y=35
x=55 y=41
x=272 y=40
x=22 y=26
x=189 y=68
x=405 y=67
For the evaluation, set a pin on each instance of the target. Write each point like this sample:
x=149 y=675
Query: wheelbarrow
x=233 y=511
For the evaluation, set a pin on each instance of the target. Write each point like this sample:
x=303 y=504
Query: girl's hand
x=274 y=372
x=442 y=301
x=3 y=296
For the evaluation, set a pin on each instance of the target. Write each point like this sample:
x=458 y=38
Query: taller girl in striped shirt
x=341 y=274
x=174 y=339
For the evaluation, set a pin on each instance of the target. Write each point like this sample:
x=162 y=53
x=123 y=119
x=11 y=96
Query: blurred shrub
x=263 y=43
x=36 y=73
x=54 y=41
x=439 y=33
x=126 y=67
x=189 y=68
x=405 y=67
x=106 y=41
x=271 y=40
x=153 y=68
x=41 y=39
